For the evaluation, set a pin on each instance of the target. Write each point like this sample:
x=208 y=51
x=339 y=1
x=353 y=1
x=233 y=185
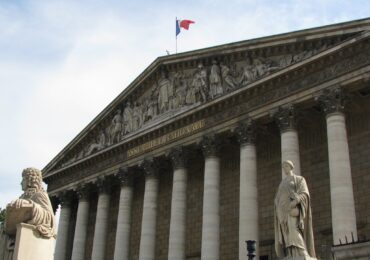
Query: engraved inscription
x=179 y=133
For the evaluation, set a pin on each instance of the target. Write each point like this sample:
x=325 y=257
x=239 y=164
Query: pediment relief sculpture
x=184 y=89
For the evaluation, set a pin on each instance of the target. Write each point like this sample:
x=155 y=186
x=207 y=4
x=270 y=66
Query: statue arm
x=21 y=203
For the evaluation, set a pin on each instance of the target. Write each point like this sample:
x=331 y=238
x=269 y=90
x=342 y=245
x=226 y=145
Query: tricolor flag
x=182 y=24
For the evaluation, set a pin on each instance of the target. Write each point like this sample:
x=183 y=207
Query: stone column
x=248 y=194
x=149 y=221
x=341 y=190
x=176 y=248
x=121 y=250
x=101 y=221
x=63 y=227
x=79 y=241
x=211 y=200
x=286 y=120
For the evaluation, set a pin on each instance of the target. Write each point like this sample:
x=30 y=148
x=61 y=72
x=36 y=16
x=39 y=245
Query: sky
x=62 y=62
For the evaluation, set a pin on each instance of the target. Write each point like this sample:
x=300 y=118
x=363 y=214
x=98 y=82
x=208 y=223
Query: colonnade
x=342 y=201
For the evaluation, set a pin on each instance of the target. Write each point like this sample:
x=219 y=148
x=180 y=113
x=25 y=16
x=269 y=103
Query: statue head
x=288 y=166
x=31 y=178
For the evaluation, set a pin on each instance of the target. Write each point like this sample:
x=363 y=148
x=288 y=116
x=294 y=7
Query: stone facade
x=336 y=62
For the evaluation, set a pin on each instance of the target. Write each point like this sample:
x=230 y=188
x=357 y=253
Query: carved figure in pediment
x=286 y=60
x=179 y=90
x=128 y=118
x=151 y=106
x=215 y=81
x=115 y=128
x=99 y=143
x=81 y=154
x=229 y=82
x=248 y=74
x=200 y=84
x=137 y=116
x=302 y=55
x=260 y=69
x=165 y=88
x=271 y=65
x=190 y=95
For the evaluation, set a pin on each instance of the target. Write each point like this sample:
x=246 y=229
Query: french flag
x=182 y=24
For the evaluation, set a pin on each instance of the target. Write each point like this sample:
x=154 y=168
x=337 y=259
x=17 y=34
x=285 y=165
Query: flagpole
x=176 y=37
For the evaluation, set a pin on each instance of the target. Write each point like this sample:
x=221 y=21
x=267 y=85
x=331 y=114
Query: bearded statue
x=33 y=207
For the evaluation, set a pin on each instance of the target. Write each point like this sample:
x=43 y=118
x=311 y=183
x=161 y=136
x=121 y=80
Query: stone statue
x=115 y=128
x=228 y=81
x=33 y=207
x=127 y=118
x=215 y=82
x=179 y=84
x=293 y=220
x=164 y=90
x=248 y=74
x=98 y=145
x=200 y=84
x=152 y=107
x=190 y=94
x=137 y=116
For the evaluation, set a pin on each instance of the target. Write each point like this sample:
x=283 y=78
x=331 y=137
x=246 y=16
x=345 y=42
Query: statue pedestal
x=29 y=245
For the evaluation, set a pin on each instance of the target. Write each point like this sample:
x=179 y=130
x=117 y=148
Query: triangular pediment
x=175 y=84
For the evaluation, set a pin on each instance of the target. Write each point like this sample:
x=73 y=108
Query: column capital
x=332 y=100
x=246 y=132
x=285 y=117
x=123 y=176
x=210 y=145
x=55 y=201
x=104 y=184
x=65 y=198
x=179 y=157
x=83 y=191
x=150 y=167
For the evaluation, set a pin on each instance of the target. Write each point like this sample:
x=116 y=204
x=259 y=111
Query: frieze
x=321 y=74
x=174 y=135
x=181 y=90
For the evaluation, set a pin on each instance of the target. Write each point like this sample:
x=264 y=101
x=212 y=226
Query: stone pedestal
x=30 y=245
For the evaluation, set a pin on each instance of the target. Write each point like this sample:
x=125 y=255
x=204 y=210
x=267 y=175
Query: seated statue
x=293 y=220
x=33 y=207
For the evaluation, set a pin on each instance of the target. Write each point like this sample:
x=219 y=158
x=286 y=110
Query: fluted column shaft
x=101 y=222
x=286 y=120
x=79 y=241
x=121 y=250
x=63 y=228
x=248 y=196
x=211 y=201
x=148 y=225
x=176 y=248
x=341 y=189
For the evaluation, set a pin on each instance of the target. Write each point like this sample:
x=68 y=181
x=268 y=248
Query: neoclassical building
x=185 y=162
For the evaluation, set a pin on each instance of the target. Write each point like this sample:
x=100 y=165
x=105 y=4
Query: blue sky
x=62 y=62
